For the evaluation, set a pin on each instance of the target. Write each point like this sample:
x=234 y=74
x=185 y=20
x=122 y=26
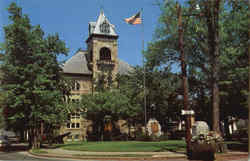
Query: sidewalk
x=61 y=153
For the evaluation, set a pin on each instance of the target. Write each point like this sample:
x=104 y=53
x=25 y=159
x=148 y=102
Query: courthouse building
x=85 y=67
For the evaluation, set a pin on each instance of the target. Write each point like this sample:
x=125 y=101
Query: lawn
x=126 y=146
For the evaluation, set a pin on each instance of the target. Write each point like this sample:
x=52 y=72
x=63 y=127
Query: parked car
x=12 y=137
x=4 y=142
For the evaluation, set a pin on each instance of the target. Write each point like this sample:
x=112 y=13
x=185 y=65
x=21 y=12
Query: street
x=24 y=156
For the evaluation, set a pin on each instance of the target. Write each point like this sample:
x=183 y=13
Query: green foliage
x=1 y=119
x=32 y=80
x=108 y=103
x=112 y=103
x=162 y=89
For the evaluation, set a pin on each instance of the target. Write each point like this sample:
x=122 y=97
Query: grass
x=126 y=146
x=118 y=155
x=39 y=151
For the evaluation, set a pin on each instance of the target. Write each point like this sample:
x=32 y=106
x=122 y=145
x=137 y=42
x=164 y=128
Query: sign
x=187 y=112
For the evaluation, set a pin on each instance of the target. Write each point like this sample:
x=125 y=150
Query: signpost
x=187 y=112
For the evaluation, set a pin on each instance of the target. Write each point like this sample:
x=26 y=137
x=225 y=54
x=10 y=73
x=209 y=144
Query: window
x=104 y=27
x=73 y=125
x=75 y=116
x=70 y=137
x=105 y=54
x=77 y=136
x=74 y=120
x=91 y=55
x=76 y=86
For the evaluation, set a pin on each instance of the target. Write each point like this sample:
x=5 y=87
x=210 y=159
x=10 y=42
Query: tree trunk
x=35 y=138
x=212 y=16
x=216 y=69
x=216 y=99
x=184 y=79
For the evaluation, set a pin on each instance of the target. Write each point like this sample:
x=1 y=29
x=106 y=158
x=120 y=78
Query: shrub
x=178 y=134
x=143 y=137
x=164 y=137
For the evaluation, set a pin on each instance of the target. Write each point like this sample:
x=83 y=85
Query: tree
x=107 y=103
x=2 y=125
x=32 y=80
x=162 y=90
x=207 y=51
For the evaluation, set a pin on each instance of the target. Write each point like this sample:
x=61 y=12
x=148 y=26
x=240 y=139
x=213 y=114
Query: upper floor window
x=104 y=27
x=105 y=54
x=75 y=115
x=76 y=86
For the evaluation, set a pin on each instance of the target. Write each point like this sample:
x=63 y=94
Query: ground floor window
x=73 y=125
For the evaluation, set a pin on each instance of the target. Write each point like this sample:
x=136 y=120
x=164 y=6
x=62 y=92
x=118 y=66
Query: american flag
x=135 y=19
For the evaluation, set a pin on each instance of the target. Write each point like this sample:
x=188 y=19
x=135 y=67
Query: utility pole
x=249 y=91
x=184 y=79
x=248 y=82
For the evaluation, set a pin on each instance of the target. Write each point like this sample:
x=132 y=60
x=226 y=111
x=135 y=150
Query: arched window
x=105 y=54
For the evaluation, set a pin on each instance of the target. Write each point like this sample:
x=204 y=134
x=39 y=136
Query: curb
x=105 y=158
x=224 y=157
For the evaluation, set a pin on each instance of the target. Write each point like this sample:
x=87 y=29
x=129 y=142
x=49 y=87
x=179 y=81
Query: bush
x=163 y=137
x=178 y=134
x=143 y=137
x=121 y=137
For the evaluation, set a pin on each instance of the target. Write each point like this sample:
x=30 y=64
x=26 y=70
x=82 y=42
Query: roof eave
x=102 y=36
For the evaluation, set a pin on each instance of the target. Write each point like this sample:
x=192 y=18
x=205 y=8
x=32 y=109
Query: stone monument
x=200 y=127
x=154 y=128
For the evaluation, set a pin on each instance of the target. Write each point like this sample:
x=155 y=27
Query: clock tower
x=102 y=49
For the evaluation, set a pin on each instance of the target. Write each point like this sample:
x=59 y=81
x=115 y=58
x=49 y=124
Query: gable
x=102 y=26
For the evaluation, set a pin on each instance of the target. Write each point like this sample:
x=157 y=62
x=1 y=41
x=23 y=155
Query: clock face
x=104 y=27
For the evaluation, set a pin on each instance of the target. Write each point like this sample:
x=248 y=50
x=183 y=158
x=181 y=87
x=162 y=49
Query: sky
x=70 y=18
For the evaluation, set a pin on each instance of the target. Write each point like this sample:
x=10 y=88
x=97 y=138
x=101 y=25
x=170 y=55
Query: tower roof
x=102 y=26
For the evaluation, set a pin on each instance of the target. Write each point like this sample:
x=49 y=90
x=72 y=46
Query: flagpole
x=144 y=74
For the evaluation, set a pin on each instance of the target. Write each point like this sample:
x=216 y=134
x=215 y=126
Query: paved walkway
x=61 y=153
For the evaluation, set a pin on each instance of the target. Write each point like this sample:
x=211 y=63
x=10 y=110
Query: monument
x=154 y=128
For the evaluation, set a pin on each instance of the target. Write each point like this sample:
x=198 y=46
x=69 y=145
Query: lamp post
x=153 y=109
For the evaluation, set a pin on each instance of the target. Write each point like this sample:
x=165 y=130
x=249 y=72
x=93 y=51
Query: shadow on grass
x=67 y=145
x=176 y=148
